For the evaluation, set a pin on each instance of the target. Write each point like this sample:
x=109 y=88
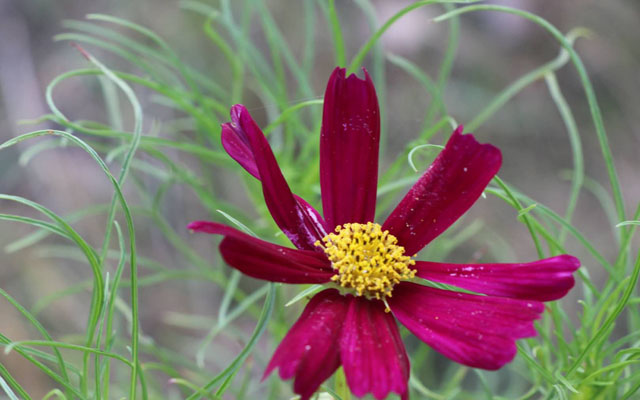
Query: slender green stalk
x=98 y=292
x=6 y=386
x=137 y=133
x=525 y=217
x=584 y=79
x=576 y=148
x=336 y=33
x=230 y=371
x=620 y=305
x=366 y=48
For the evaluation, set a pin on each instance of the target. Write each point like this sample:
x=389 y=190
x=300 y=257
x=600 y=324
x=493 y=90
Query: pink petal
x=349 y=143
x=373 y=355
x=542 y=280
x=245 y=143
x=267 y=261
x=445 y=191
x=478 y=331
x=310 y=351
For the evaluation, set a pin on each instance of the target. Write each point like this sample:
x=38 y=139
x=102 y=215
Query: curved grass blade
x=230 y=371
x=584 y=79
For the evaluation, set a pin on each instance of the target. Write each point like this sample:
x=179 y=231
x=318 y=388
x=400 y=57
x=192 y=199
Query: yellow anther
x=367 y=260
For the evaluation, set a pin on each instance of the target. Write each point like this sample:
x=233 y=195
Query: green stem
x=584 y=79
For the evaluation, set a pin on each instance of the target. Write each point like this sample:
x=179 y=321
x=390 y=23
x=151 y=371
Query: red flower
x=370 y=264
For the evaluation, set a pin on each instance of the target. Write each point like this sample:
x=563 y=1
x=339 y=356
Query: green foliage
x=593 y=355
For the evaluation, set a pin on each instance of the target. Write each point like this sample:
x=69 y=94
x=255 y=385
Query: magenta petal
x=310 y=351
x=245 y=143
x=542 y=280
x=313 y=216
x=373 y=355
x=236 y=142
x=267 y=261
x=349 y=143
x=478 y=331
x=445 y=191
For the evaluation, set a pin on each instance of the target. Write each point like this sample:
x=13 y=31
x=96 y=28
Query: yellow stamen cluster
x=367 y=259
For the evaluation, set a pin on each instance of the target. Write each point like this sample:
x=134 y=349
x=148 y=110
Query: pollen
x=368 y=261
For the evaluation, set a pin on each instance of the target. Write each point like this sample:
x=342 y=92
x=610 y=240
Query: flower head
x=372 y=264
x=367 y=260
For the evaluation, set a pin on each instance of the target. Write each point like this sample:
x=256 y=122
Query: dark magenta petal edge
x=349 y=144
x=372 y=353
x=477 y=331
x=244 y=142
x=542 y=280
x=264 y=260
x=309 y=352
x=444 y=192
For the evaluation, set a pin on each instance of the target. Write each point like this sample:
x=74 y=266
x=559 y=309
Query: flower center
x=367 y=260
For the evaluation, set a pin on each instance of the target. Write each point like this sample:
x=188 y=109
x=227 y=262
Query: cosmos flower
x=371 y=275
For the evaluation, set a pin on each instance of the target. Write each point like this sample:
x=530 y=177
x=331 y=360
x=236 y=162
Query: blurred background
x=494 y=50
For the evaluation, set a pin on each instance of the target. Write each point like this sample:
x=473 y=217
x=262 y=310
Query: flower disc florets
x=366 y=259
